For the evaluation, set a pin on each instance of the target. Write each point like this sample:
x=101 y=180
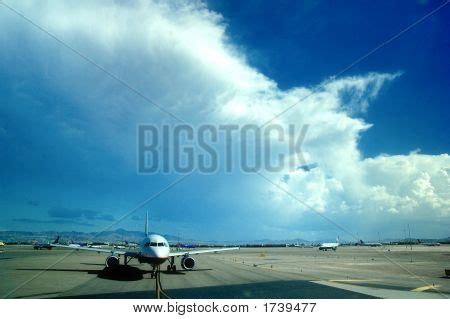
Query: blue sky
x=379 y=132
x=298 y=43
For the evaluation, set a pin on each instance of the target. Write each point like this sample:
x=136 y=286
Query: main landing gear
x=172 y=266
x=126 y=259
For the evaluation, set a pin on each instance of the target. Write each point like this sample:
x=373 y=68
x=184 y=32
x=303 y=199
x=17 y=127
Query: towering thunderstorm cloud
x=68 y=129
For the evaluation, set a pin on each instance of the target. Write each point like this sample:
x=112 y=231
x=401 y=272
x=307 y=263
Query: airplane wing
x=197 y=252
x=99 y=250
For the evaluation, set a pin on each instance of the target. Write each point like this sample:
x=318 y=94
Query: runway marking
x=425 y=288
x=353 y=280
x=382 y=292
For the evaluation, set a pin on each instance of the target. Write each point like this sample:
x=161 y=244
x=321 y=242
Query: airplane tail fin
x=56 y=240
x=146 y=224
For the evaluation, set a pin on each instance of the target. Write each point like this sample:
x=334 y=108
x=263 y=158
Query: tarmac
x=291 y=272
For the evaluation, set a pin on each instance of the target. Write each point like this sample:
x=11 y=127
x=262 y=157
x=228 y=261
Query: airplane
x=302 y=245
x=327 y=246
x=430 y=243
x=362 y=243
x=95 y=246
x=40 y=246
x=307 y=167
x=154 y=249
x=77 y=245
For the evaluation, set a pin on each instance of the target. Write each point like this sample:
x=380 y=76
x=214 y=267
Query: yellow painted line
x=425 y=288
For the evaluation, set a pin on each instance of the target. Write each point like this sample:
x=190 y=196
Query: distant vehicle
x=329 y=246
x=362 y=243
x=40 y=246
x=131 y=245
x=187 y=246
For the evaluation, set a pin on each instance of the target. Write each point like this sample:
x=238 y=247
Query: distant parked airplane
x=95 y=246
x=431 y=244
x=40 y=246
x=332 y=246
x=154 y=250
x=362 y=243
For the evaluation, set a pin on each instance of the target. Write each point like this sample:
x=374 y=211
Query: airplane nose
x=161 y=253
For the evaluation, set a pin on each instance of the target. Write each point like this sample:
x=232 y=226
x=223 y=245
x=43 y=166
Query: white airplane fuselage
x=154 y=250
x=326 y=246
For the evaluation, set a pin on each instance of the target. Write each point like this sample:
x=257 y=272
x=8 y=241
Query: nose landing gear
x=172 y=266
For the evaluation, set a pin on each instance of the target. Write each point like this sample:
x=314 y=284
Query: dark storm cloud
x=152 y=217
x=33 y=202
x=55 y=221
x=67 y=213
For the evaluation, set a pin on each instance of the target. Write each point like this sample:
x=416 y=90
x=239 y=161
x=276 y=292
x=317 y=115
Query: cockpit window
x=154 y=244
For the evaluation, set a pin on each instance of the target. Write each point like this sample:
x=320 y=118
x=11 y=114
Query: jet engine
x=112 y=262
x=187 y=263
